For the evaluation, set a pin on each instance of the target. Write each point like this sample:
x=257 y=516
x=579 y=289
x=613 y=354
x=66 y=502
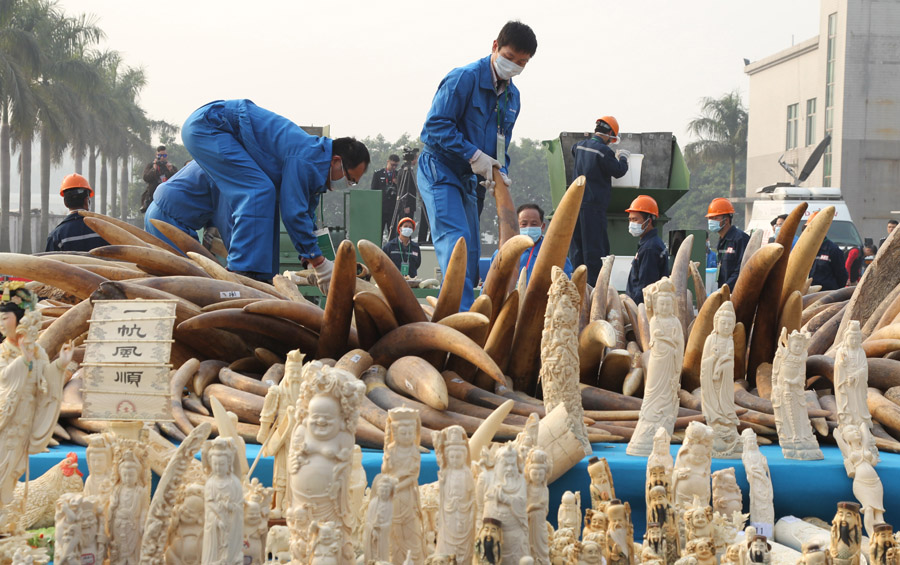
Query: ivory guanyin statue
x=100 y=455
x=795 y=434
x=859 y=461
x=30 y=390
x=717 y=384
x=320 y=455
x=659 y=408
x=401 y=461
x=537 y=469
x=756 y=467
x=559 y=374
x=379 y=517
x=223 y=497
x=851 y=381
x=456 y=512
x=128 y=506
x=507 y=502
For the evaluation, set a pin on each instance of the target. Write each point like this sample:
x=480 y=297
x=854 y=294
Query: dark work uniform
x=386 y=181
x=404 y=254
x=731 y=251
x=828 y=269
x=72 y=234
x=597 y=162
x=651 y=263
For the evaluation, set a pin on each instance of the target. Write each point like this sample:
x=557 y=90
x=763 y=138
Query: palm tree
x=19 y=54
x=722 y=129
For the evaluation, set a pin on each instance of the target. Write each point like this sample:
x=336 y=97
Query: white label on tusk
x=230 y=294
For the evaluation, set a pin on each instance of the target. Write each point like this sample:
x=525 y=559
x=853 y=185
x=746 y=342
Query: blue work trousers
x=452 y=207
x=590 y=242
x=155 y=212
x=245 y=190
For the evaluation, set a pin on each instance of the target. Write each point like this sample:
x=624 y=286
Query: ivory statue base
x=801 y=452
x=560 y=443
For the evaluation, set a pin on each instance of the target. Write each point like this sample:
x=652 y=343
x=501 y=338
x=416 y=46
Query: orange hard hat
x=612 y=123
x=407 y=219
x=645 y=204
x=719 y=206
x=811 y=216
x=75 y=181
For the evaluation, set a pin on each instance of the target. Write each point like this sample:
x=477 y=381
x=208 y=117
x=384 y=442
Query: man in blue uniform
x=531 y=223
x=468 y=128
x=189 y=200
x=261 y=163
x=828 y=269
x=651 y=262
x=598 y=163
x=72 y=234
x=732 y=241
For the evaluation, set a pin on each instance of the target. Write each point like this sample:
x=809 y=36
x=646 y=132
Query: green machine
x=358 y=217
x=664 y=176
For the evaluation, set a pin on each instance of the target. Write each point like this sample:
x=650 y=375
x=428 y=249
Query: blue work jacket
x=597 y=162
x=297 y=164
x=72 y=234
x=463 y=117
x=650 y=264
x=731 y=249
x=829 y=269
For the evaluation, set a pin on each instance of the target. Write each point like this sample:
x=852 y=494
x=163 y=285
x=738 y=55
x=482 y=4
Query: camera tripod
x=408 y=197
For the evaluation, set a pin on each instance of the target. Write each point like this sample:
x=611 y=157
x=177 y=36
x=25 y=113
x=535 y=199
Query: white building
x=846 y=82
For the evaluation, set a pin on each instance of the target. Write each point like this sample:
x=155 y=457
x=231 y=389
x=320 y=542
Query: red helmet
x=719 y=206
x=75 y=181
x=645 y=204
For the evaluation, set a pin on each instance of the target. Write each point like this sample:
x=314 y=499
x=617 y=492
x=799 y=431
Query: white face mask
x=505 y=68
x=635 y=229
x=341 y=183
x=406 y=232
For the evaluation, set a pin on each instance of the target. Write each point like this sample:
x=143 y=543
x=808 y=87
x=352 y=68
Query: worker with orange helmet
x=403 y=251
x=72 y=234
x=732 y=241
x=598 y=163
x=651 y=262
x=829 y=269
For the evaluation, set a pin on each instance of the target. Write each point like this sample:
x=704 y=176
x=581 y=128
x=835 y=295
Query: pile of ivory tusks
x=232 y=334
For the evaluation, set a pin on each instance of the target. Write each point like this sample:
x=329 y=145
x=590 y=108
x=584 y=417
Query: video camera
x=410 y=154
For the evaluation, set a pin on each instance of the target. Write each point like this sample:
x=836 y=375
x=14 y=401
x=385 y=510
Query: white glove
x=483 y=165
x=624 y=153
x=323 y=275
x=506 y=180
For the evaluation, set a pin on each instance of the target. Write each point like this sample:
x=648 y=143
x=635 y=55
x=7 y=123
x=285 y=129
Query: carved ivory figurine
x=661 y=454
x=559 y=354
x=277 y=424
x=660 y=406
x=717 y=384
x=726 y=493
x=602 y=489
x=795 y=433
x=127 y=510
x=569 y=513
x=99 y=454
x=760 y=549
x=223 y=529
x=379 y=516
x=756 y=467
x=185 y=545
x=881 y=545
x=30 y=390
x=68 y=530
x=325 y=541
x=814 y=554
x=93 y=530
x=507 y=501
x=851 y=381
x=488 y=545
x=860 y=461
x=660 y=511
x=846 y=534
x=619 y=534
x=595 y=522
x=321 y=453
x=401 y=461
x=654 y=548
x=537 y=469
x=690 y=477
x=456 y=513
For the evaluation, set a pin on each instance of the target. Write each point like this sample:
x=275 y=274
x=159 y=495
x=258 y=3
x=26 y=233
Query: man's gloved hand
x=624 y=153
x=323 y=275
x=505 y=179
x=483 y=165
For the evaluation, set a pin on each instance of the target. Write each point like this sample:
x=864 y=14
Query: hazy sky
x=370 y=67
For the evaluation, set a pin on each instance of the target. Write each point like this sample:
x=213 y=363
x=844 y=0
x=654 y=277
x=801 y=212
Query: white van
x=783 y=199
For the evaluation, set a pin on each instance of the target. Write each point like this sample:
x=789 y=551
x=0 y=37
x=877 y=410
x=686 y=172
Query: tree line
x=57 y=85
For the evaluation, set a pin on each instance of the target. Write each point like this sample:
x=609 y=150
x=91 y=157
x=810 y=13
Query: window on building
x=793 y=118
x=829 y=96
x=810 y=121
